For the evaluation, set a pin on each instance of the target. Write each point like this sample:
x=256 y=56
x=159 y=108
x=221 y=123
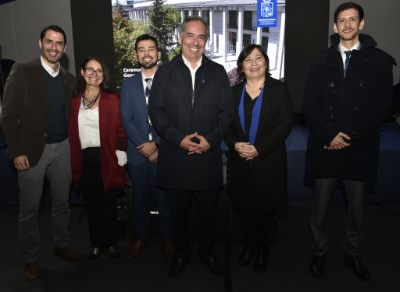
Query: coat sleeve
x=128 y=121
x=225 y=113
x=325 y=130
x=11 y=105
x=378 y=111
x=281 y=130
x=122 y=139
x=157 y=110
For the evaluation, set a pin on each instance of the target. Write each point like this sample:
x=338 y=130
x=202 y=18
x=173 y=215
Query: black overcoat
x=355 y=105
x=265 y=185
x=173 y=116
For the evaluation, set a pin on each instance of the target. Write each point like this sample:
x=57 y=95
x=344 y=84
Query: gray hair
x=193 y=18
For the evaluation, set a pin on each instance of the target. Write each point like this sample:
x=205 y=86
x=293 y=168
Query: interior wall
x=22 y=21
x=381 y=19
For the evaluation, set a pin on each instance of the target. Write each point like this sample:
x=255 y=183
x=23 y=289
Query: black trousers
x=206 y=201
x=101 y=207
x=257 y=226
x=356 y=192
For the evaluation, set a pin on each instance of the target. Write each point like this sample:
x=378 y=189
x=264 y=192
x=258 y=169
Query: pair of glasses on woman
x=90 y=71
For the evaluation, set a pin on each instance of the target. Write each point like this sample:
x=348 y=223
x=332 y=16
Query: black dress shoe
x=317 y=266
x=113 y=253
x=177 y=266
x=214 y=265
x=261 y=260
x=246 y=255
x=95 y=256
x=359 y=270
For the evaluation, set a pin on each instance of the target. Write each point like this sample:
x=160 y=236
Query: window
x=248 y=20
x=264 y=43
x=232 y=19
x=265 y=29
x=246 y=40
x=206 y=16
x=186 y=13
x=232 y=42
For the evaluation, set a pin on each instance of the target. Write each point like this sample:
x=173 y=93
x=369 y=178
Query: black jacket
x=173 y=117
x=355 y=105
x=264 y=185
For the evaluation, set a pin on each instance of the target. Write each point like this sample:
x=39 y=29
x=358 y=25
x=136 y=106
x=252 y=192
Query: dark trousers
x=101 y=207
x=323 y=191
x=142 y=178
x=206 y=201
x=257 y=226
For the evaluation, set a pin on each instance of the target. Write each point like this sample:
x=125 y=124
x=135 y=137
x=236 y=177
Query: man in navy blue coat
x=143 y=149
x=191 y=107
x=347 y=96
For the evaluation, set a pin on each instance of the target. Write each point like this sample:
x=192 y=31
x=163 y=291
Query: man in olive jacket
x=191 y=108
x=347 y=96
x=35 y=118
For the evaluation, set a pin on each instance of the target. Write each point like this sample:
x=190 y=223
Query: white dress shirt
x=343 y=50
x=88 y=125
x=147 y=98
x=48 y=69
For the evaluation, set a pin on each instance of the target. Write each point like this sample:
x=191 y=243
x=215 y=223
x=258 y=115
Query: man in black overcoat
x=191 y=108
x=347 y=96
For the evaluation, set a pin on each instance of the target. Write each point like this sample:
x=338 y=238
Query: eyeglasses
x=90 y=71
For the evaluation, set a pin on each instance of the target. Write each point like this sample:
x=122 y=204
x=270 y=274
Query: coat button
x=45 y=135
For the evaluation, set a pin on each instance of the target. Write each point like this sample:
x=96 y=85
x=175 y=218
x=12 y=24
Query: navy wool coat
x=173 y=116
x=264 y=184
x=355 y=104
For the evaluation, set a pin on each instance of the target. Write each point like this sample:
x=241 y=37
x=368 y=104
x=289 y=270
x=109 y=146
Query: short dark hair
x=244 y=54
x=346 y=6
x=55 y=28
x=145 y=37
x=182 y=27
x=81 y=83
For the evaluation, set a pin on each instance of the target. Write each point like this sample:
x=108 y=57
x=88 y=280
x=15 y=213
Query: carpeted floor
x=287 y=270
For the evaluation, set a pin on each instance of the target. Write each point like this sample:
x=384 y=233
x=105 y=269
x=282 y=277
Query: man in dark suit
x=191 y=107
x=35 y=118
x=142 y=148
x=346 y=98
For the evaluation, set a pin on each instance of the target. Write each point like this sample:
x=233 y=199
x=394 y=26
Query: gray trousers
x=55 y=164
x=323 y=192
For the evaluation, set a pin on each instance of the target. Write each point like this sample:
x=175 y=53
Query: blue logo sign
x=267 y=13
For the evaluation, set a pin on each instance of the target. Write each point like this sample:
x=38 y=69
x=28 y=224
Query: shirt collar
x=342 y=49
x=50 y=70
x=187 y=63
x=145 y=77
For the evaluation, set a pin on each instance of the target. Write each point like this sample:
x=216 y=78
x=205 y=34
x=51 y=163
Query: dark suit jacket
x=135 y=118
x=173 y=117
x=264 y=185
x=355 y=105
x=25 y=114
x=112 y=137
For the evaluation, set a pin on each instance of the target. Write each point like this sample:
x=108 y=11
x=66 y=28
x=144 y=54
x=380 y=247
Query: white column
x=239 y=40
x=259 y=31
x=190 y=11
x=281 y=40
x=223 y=43
x=182 y=14
x=211 y=39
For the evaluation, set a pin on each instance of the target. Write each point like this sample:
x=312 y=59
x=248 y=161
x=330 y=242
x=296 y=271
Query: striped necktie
x=149 y=81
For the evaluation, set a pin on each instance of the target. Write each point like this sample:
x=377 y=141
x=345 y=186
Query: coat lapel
x=206 y=75
x=237 y=94
x=103 y=112
x=140 y=90
x=41 y=82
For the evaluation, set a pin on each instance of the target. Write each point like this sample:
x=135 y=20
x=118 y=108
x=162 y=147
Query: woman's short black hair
x=81 y=82
x=244 y=54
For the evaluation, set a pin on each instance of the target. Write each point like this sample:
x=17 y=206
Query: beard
x=52 y=60
x=148 y=65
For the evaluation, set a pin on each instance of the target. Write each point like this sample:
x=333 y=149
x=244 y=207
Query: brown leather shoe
x=67 y=254
x=169 y=250
x=136 y=248
x=32 y=272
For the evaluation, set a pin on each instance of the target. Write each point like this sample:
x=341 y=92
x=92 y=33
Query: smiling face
x=90 y=73
x=254 y=65
x=147 y=54
x=348 y=26
x=193 y=41
x=53 y=46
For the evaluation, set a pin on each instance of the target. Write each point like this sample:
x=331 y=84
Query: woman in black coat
x=257 y=167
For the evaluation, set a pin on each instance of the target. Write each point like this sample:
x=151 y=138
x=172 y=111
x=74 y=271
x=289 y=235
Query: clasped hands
x=195 y=148
x=149 y=150
x=245 y=150
x=338 y=142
